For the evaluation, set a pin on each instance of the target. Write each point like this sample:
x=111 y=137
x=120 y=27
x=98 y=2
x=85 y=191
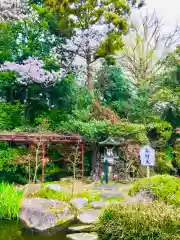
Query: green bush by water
x=163 y=187
x=10 y=201
x=155 y=221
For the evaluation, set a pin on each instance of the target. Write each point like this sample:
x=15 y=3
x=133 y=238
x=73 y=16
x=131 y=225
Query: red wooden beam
x=82 y=152
x=22 y=137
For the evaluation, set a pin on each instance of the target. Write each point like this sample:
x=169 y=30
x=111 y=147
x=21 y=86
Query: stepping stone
x=98 y=204
x=111 y=194
x=83 y=228
x=79 y=202
x=54 y=187
x=90 y=216
x=107 y=187
x=83 y=236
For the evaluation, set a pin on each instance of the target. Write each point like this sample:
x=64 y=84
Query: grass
x=82 y=190
x=156 y=221
x=66 y=196
x=10 y=201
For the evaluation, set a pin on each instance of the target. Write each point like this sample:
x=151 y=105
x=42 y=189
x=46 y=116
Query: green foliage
x=10 y=170
x=11 y=116
x=163 y=187
x=148 y=112
x=97 y=130
x=22 y=39
x=10 y=201
x=65 y=196
x=6 y=41
x=166 y=97
x=6 y=80
x=155 y=221
x=159 y=130
x=50 y=194
x=140 y=109
x=164 y=161
x=8 y=155
x=115 y=88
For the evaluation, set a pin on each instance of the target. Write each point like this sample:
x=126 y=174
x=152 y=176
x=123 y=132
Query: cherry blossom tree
x=32 y=70
x=14 y=9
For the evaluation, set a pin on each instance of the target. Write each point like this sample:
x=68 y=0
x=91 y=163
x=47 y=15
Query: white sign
x=147 y=156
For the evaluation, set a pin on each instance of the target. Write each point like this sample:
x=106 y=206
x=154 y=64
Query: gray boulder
x=90 y=216
x=79 y=202
x=54 y=187
x=83 y=236
x=43 y=214
x=98 y=204
x=138 y=199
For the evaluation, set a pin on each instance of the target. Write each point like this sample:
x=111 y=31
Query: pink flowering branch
x=32 y=70
x=14 y=9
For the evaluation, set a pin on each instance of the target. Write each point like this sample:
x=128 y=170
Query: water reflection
x=13 y=230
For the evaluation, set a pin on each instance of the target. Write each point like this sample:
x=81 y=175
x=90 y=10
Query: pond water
x=12 y=230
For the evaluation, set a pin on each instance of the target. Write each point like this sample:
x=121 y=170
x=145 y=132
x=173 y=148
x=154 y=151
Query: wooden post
x=43 y=161
x=106 y=171
x=82 y=156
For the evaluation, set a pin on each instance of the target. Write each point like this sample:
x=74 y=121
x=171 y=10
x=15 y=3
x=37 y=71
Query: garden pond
x=13 y=230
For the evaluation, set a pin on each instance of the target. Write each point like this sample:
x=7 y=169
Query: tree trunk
x=89 y=72
x=29 y=170
x=74 y=178
x=36 y=162
x=94 y=156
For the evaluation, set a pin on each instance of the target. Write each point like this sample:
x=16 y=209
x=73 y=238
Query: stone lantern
x=109 y=155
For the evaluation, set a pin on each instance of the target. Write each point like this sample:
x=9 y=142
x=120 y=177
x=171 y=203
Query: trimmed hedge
x=163 y=187
x=155 y=221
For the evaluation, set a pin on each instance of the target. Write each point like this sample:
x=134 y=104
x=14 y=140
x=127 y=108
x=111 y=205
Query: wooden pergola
x=34 y=138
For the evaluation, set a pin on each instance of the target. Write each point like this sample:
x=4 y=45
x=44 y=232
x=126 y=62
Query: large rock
x=79 y=202
x=83 y=236
x=138 y=199
x=54 y=187
x=43 y=214
x=89 y=217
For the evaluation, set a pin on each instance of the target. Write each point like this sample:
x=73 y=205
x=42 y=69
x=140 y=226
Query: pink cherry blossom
x=14 y=9
x=32 y=70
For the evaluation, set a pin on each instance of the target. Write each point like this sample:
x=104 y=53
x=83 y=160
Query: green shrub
x=163 y=187
x=155 y=221
x=51 y=194
x=10 y=201
x=66 y=196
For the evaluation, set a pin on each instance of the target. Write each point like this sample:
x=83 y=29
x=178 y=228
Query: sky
x=169 y=10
